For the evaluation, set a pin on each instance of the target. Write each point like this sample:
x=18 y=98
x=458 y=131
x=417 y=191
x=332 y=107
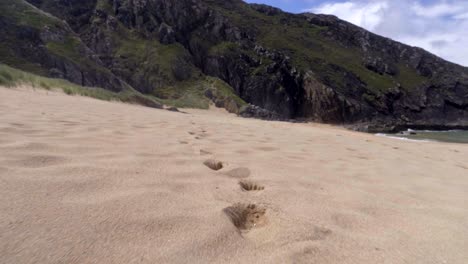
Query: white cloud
x=367 y=15
x=440 y=27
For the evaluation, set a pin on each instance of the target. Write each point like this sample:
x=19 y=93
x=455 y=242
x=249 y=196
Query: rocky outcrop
x=223 y=101
x=56 y=51
x=266 y=9
x=253 y=111
x=166 y=34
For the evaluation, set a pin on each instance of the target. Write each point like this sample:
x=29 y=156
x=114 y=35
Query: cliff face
x=304 y=66
x=37 y=42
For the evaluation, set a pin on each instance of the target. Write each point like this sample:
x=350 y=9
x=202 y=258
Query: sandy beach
x=88 y=181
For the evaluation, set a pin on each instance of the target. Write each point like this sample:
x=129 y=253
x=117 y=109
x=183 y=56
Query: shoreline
x=448 y=136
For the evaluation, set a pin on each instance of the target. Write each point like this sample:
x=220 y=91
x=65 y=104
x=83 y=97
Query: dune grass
x=190 y=96
x=11 y=77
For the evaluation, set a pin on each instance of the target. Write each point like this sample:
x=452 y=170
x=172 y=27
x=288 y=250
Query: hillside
x=188 y=52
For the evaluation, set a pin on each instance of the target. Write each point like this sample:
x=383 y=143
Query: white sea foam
x=403 y=138
x=433 y=131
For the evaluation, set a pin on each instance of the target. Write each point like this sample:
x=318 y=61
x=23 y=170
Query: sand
x=88 y=181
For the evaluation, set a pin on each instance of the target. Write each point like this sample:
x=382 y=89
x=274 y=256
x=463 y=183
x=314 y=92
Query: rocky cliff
x=305 y=66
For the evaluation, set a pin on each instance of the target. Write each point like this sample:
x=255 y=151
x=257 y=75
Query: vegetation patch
x=23 y=13
x=306 y=45
x=409 y=78
x=10 y=77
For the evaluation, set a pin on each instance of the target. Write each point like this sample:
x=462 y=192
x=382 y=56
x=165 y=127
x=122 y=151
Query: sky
x=439 y=26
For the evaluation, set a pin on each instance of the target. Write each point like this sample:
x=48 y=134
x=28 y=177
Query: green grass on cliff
x=409 y=78
x=191 y=94
x=62 y=42
x=224 y=47
x=68 y=47
x=11 y=77
x=23 y=13
x=71 y=48
x=146 y=62
x=223 y=89
x=309 y=49
x=104 y=5
x=147 y=52
x=8 y=57
x=304 y=44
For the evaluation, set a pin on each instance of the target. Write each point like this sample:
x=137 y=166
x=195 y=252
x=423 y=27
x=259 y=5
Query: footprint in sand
x=251 y=186
x=213 y=164
x=247 y=216
x=199 y=135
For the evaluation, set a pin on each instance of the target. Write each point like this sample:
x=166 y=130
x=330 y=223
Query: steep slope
x=304 y=66
x=40 y=43
x=76 y=40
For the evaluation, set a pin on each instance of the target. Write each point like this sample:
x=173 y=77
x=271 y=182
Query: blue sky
x=294 y=6
x=289 y=5
x=298 y=6
x=439 y=26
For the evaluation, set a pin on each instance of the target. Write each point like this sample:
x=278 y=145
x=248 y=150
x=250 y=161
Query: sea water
x=453 y=136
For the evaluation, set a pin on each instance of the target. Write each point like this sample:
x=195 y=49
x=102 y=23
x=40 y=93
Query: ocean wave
x=403 y=138
x=436 y=131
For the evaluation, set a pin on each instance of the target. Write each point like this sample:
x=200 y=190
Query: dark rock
x=209 y=93
x=222 y=101
x=137 y=99
x=231 y=106
x=181 y=69
x=56 y=73
x=166 y=34
x=379 y=66
x=266 y=9
x=172 y=109
x=253 y=111
x=219 y=102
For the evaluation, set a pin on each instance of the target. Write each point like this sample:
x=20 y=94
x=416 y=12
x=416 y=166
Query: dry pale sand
x=87 y=181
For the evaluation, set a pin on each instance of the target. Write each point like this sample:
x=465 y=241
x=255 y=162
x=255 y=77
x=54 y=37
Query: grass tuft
x=10 y=77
